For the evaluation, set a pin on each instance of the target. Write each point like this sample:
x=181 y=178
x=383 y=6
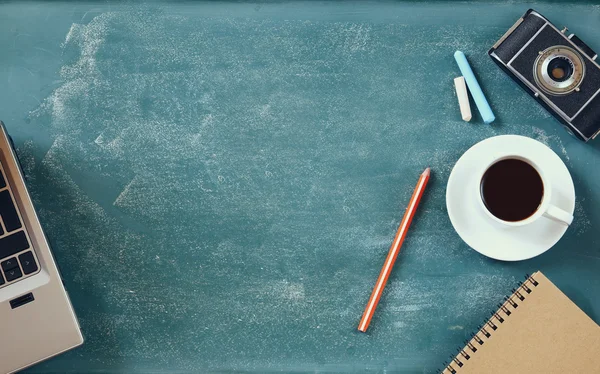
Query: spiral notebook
x=536 y=330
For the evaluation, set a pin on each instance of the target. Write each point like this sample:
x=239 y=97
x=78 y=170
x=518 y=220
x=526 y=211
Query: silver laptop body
x=37 y=320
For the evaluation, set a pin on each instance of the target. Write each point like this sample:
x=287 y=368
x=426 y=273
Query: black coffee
x=512 y=190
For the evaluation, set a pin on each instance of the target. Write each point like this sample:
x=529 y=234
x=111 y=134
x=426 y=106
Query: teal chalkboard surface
x=221 y=181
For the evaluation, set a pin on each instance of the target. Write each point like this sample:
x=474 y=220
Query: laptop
x=37 y=320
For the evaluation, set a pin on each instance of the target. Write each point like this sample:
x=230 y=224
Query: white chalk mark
x=124 y=193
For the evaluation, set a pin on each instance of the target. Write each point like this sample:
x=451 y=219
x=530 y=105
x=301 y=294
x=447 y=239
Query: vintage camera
x=558 y=70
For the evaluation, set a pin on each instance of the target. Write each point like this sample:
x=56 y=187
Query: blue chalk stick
x=474 y=88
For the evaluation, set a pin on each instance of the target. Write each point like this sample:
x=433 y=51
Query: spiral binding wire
x=487 y=329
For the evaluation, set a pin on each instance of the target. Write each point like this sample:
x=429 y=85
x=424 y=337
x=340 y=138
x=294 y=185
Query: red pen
x=394 y=250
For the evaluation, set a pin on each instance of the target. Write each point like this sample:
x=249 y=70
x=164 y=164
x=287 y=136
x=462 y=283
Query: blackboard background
x=221 y=181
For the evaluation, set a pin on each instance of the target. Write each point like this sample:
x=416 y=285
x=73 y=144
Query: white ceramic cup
x=546 y=209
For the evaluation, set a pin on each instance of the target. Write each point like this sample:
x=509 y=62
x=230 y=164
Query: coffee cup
x=513 y=191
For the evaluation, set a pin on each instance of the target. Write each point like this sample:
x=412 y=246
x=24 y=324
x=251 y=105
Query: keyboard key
x=1 y=280
x=13 y=274
x=28 y=263
x=13 y=244
x=8 y=212
x=1 y=231
x=2 y=182
x=11 y=263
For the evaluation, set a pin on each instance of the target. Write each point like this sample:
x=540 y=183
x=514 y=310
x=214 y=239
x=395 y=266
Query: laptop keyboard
x=17 y=260
x=9 y=214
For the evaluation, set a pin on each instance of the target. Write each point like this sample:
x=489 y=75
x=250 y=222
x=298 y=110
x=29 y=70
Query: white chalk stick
x=463 y=98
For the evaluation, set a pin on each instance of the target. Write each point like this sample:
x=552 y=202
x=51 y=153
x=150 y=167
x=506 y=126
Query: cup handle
x=558 y=215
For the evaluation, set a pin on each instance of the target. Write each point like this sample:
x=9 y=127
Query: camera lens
x=560 y=69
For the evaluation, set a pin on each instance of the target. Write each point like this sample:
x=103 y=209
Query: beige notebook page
x=546 y=333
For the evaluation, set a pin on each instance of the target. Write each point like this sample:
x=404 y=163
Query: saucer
x=478 y=230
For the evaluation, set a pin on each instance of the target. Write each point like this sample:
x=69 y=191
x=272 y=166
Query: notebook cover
x=544 y=333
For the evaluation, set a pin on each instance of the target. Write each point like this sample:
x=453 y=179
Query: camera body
x=560 y=71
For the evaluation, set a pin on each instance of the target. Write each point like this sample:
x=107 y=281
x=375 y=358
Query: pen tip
x=427 y=171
